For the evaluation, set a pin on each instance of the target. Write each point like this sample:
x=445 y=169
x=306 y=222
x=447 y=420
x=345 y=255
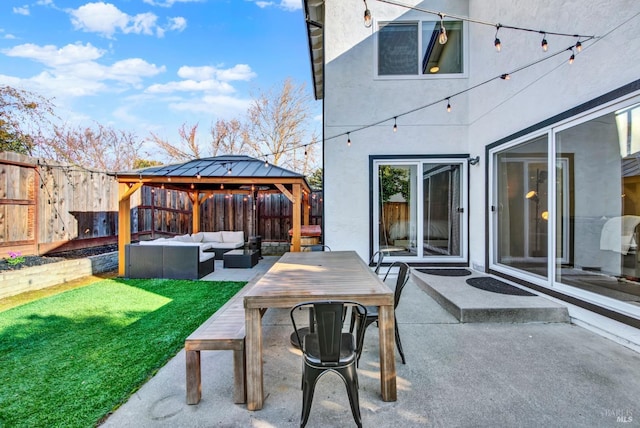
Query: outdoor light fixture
x=579 y=46
x=572 y=57
x=367 y=15
x=395 y=124
x=505 y=76
x=496 y=42
x=448 y=106
x=544 y=44
x=348 y=139
x=442 y=38
x=474 y=161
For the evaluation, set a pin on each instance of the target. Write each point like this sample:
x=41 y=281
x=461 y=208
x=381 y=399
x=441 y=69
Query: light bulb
x=572 y=58
x=395 y=125
x=448 y=107
x=579 y=46
x=497 y=44
x=545 y=45
x=442 y=38
x=367 y=18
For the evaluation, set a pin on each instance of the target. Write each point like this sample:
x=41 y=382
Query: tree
x=227 y=137
x=276 y=127
x=101 y=147
x=23 y=114
x=393 y=181
x=315 y=179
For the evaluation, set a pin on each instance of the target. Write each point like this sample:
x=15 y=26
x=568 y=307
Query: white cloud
x=23 y=10
x=51 y=56
x=289 y=5
x=237 y=72
x=221 y=106
x=168 y=3
x=73 y=70
x=207 y=79
x=106 y=20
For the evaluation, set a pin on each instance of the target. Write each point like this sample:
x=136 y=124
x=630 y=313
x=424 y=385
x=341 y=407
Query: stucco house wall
x=354 y=98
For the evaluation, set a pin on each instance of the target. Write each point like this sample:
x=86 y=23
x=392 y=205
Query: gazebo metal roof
x=234 y=171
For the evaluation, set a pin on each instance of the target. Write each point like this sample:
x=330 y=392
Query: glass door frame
x=418 y=161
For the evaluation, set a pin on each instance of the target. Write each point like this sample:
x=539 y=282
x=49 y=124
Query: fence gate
x=18 y=207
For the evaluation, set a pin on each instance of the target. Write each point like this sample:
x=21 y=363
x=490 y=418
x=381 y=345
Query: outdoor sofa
x=180 y=257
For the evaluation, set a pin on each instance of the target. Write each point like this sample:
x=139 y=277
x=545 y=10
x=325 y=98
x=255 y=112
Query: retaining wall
x=14 y=282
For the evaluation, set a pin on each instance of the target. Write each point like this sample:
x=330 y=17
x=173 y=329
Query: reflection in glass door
x=420 y=208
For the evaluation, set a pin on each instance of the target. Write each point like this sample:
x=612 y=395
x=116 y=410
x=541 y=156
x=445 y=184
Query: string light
x=505 y=76
x=395 y=124
x=496 y=42
x=349 y=139
x=367 y=15
x=579 y=46
x=572 y=57
x=442 y=38
x=545 y=45
x=448 y=106
x=221 y=186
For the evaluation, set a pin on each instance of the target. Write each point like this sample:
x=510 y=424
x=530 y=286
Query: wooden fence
x=47 y=207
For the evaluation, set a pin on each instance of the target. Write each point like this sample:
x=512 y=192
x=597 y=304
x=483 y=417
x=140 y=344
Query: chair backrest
x=378 y=260
x=316 y=247
x=401 y=280
x=329 y=316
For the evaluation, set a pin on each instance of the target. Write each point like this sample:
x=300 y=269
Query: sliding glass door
x=420 y=208
x=565 y=207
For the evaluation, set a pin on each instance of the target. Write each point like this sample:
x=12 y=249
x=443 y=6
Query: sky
x=152 y=65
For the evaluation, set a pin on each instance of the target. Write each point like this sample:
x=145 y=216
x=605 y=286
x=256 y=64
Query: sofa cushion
x=159 y=241
x=197 y=237
x=211 y=236
x=236 y=237
x=228 y=245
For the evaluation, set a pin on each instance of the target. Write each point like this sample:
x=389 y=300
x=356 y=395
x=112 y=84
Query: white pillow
x=183 y=238
x=197 y=237
x=228 y=236
x=211 y=236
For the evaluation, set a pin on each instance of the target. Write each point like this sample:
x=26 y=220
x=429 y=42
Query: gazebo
x=201 y=178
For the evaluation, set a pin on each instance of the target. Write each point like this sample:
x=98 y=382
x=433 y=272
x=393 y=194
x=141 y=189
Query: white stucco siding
x=355 y=98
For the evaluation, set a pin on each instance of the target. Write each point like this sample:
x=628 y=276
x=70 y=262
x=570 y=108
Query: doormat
x=497 y=286
x=446 y=272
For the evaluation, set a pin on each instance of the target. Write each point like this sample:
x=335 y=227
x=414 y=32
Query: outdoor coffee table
x=307 y=276
x=240 y=259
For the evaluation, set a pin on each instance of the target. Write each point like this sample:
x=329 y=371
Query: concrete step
x=472 y=305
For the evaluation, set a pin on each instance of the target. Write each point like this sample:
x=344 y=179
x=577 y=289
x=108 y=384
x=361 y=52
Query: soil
x=66 y=255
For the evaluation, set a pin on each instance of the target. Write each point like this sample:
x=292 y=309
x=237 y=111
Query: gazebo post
x=124 y=220
x=307 y=209
x=297 y=220
x=195 y=212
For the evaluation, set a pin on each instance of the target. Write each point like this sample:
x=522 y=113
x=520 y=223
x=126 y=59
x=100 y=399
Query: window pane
x=442 y=58
x=441 y=203
x=522 y=207
x=398 y=49
x=603 y=177
x=397 y=209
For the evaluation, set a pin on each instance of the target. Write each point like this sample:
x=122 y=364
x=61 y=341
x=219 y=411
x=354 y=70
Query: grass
x=71 y=358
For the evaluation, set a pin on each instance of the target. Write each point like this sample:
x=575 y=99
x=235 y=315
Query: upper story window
x=414 y=49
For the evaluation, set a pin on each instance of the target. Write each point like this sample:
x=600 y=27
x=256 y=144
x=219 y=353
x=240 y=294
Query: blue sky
x=152 y=65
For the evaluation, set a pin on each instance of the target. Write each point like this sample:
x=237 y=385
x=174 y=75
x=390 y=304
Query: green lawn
x=70 y=359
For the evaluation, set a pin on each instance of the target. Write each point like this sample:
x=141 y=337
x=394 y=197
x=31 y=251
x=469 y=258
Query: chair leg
x=398 y=342
x=309 y=379
x=350 y=377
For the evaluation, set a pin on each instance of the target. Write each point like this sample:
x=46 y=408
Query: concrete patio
x=526 y=374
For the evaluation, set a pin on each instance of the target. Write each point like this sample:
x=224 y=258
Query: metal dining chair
x=377 y=258
x=329 y=349
x=371 y=315
x=316 y=247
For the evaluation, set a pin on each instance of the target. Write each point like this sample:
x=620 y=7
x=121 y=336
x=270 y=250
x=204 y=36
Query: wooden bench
x=224 y=330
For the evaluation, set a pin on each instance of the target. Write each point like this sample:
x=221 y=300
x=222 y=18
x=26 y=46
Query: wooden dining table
x=311 y=276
